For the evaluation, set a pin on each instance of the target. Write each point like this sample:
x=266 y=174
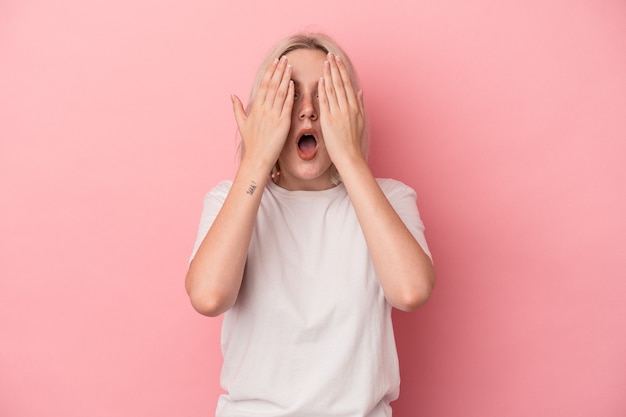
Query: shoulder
x=219 y=192
x=394 y=188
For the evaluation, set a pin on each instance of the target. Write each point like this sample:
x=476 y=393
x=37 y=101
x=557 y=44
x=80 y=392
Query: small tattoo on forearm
x=251 y=188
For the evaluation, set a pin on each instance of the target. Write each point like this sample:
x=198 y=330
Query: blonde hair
x=311 y=41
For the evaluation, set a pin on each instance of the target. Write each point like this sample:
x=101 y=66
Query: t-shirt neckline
x=330 y=192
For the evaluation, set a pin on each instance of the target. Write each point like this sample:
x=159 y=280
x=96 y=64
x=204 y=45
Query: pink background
x=508 y=118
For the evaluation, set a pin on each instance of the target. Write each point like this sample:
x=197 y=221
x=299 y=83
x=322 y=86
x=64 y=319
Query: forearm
x=405 y=271
x=216 y=271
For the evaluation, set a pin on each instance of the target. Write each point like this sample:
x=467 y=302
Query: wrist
x=348 y=161
x=254 y=169
x=257 y=163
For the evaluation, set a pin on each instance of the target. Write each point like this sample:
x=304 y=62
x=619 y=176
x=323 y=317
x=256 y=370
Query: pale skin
x=305 y=91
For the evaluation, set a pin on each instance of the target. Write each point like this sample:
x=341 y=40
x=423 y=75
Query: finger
x=275 y=81
x=283 y=88
x=338 y=82
x=329 y=88
x=267 y=77
x=288 y=104
x=239 y=111
x=322 y=97
x=347 y=82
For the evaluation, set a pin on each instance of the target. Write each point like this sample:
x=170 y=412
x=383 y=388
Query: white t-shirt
x=310 y=334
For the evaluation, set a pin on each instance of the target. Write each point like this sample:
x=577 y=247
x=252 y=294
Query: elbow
x=205 y=299
x=414 y=297
x=411 y=301
x=209 y=305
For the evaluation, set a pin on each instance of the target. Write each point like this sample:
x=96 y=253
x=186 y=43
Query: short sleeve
x=404 y=200
x=212 y=205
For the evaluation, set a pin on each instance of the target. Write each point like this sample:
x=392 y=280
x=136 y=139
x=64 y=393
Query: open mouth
x=307 y=146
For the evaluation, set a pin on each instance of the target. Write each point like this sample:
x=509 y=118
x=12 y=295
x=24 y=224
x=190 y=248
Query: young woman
x=305 y=251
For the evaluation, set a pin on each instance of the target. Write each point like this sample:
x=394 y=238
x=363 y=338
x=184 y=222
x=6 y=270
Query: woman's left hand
x=342 y=113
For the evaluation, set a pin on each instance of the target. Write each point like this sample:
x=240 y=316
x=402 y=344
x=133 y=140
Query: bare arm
x=405 y=271
x=216 y=271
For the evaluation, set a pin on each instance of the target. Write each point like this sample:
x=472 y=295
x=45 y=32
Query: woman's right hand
x=265 y=129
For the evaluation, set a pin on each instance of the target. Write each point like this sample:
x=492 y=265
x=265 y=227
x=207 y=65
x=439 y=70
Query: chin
x=315 y=170
x=307 y=177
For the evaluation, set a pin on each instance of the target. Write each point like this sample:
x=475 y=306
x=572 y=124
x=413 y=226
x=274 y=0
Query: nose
x=307 y=109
